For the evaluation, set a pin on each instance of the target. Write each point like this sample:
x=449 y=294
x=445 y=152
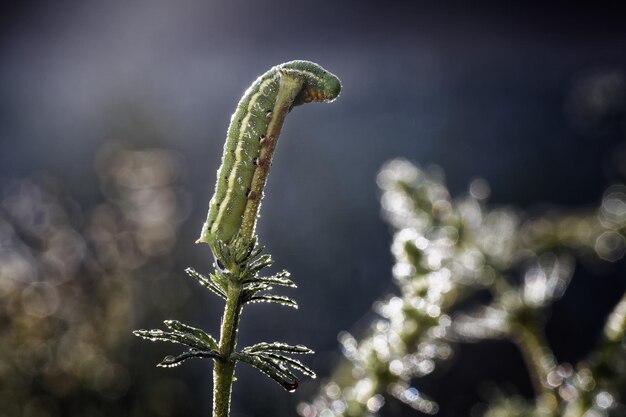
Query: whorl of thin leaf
x=182 y=328
x=172 y=361
x=214 y=283
x=286 y=360
x=222 y=251
x=279 y=373
x=254 y=287
x=255 y=250
x=241 y=259
x=277 y=347
x=281 y=278
x=259 y=263
x=157 y=335
x=244 y=250
x=278 y=299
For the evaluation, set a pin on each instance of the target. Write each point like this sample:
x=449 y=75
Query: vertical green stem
x=224 y=370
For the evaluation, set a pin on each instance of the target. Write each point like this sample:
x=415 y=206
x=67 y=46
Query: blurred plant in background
x=454 y=253
x=69 y=278
x=447 y=251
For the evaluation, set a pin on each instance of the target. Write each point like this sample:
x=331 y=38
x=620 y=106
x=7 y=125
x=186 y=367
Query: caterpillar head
x=319 y=84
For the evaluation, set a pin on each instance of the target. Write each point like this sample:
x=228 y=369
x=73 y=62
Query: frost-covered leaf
x=157 y=335
x=182 y=328
x=277 y=347
x=281 y=278
x=278 y=299
x=213 y=283
x=294 y=363
x=279 y=373
x=252 y=288
x=172 y=361
x=261 y=262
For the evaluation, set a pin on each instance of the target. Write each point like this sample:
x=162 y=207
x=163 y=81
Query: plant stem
x=534 y=348
x=290 y=86
x=224 y=370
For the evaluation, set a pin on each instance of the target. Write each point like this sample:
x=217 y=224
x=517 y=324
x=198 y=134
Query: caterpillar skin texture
x=245 y=139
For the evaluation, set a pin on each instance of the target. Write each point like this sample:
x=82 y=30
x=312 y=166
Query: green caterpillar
x=250 y=141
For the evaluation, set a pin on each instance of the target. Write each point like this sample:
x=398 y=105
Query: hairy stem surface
x=290 y=86
x=224 y=369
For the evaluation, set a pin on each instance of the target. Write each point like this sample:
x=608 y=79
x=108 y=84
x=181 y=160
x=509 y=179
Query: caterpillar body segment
x=249 y=145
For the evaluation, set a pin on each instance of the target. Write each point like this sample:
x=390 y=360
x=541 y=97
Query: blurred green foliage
x=69 y=281
x=447 y=250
